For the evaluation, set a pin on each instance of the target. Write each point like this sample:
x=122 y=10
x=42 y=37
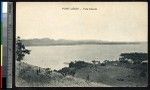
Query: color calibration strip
x=1 y=49
x=3 y=29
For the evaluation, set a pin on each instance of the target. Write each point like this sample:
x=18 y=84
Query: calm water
x=56 y=57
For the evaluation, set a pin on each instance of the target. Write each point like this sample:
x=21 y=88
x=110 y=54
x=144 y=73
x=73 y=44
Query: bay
x=57 y=57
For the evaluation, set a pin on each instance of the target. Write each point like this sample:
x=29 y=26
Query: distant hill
x=47 y=42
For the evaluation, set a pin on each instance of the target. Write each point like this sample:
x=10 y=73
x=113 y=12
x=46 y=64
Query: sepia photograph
x=81 y=44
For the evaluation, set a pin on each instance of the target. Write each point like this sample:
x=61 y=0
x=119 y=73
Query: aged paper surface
x=81 y=44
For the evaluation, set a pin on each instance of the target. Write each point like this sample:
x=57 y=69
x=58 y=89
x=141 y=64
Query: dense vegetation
x=135 y=57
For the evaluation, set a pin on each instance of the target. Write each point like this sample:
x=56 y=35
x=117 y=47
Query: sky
x=4 y=7
x=112 y=21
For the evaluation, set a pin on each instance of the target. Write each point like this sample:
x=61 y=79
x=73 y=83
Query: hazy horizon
x=79 y=40
x=112 y=21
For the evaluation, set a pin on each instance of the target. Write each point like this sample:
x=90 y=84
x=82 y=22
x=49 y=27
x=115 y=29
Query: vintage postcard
x=81 y=44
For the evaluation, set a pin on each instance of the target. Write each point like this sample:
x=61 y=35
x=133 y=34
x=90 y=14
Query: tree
x=71 y=64
x=135 y=57
x=20 y=50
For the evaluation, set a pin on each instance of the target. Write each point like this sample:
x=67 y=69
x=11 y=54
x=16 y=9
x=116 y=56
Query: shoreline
x=106 y=74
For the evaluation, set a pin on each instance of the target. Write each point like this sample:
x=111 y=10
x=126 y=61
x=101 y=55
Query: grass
x=26 y=76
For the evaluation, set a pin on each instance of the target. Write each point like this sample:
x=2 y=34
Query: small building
x=144 y=62
x=130 y=61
